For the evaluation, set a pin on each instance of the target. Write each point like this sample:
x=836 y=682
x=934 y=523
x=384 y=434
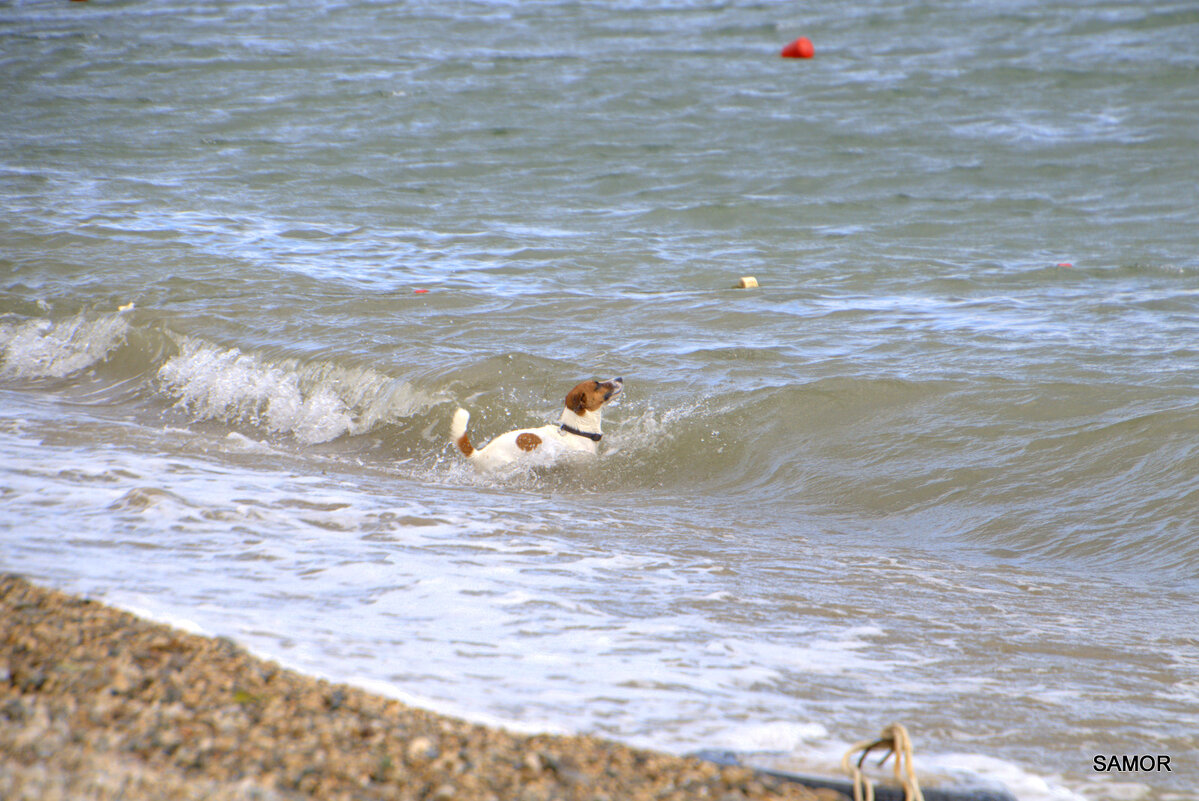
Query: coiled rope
x=895 y=739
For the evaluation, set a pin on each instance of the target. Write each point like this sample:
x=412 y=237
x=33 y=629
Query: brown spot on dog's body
x=527 y=441
x=465 y=446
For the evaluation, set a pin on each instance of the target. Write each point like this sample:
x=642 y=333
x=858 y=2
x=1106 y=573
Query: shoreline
x=98 y=703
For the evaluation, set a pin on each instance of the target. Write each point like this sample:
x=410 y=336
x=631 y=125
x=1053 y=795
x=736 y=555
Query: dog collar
x=590 y=436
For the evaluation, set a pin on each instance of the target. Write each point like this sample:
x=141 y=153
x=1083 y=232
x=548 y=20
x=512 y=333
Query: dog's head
x=590 y=396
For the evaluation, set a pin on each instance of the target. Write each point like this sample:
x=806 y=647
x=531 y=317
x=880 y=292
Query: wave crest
x=45 y=349
x=314 y=402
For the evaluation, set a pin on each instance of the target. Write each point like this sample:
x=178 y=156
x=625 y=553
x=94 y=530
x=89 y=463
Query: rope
x=895 y=739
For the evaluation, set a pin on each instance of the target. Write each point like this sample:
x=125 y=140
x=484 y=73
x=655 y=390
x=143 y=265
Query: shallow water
x=940 y=468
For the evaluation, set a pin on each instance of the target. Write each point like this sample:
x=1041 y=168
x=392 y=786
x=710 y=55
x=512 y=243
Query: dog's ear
x=576 y=400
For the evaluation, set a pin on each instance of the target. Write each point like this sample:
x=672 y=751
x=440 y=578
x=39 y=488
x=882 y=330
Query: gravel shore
x=98 y=704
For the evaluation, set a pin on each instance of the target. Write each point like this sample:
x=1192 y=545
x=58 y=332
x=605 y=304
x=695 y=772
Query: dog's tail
x=458 y=432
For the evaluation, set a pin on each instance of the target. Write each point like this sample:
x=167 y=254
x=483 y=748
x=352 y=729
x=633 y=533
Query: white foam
x=147 y=609
x=977 y=770
x=315 y=402
x=45 y=349
x=650 y=428
x=387 y=689
x=778 y=736
x=242 y=442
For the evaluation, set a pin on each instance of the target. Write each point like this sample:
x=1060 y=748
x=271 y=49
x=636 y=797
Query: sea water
x=941 y=468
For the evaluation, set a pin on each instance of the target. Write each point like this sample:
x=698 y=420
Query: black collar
x=589 y=435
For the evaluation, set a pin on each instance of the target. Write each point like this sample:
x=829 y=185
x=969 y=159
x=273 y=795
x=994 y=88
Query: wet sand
x=96 y=703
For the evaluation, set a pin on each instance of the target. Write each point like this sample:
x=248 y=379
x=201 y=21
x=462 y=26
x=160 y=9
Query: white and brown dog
x=577 y=432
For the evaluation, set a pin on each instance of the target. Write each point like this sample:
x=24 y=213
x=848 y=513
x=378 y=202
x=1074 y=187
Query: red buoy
x=800 y=48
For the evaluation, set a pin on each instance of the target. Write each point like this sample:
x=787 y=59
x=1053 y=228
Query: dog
x=577 y=432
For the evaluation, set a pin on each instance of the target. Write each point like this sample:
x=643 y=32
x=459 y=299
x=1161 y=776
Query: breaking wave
x=315 y=402
x=38 y=348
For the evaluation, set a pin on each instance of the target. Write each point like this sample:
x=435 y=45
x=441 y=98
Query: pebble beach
x=908 y=330
x=97 y=703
